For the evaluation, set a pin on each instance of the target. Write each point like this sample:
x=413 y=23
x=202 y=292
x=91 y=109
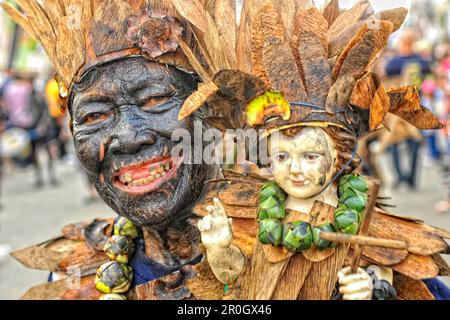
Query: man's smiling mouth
x=145 y=177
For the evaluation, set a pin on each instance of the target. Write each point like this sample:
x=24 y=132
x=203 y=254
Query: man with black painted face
x=124 y=114
x=124 y=78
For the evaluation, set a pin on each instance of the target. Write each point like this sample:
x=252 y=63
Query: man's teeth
x=156 y=172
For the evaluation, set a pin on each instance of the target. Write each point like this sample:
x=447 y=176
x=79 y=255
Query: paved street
x=31 y=216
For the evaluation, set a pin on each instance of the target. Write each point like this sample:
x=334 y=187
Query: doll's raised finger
x=219 y=209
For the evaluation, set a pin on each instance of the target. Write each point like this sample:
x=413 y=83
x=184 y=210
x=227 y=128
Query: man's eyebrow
x=94 y=98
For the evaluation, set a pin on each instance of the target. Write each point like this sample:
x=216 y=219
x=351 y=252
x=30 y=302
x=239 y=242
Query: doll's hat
x=297 y=65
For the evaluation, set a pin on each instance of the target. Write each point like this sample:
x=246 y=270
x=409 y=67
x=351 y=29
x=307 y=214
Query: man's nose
x=130 y=137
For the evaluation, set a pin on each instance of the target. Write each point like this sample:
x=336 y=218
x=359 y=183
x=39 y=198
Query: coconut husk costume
x=319 y=62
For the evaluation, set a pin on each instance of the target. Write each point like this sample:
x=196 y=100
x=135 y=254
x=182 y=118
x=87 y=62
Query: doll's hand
x=357 y=286
x=215 y=228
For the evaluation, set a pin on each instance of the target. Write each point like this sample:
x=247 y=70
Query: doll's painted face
x=303 y=165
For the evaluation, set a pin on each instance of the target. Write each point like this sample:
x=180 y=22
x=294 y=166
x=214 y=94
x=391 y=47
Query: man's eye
x=312 y=156
x=96 y=118
x=281 y=156
x=154 y=102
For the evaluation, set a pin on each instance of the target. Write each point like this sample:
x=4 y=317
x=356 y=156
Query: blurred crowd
x=414 y=61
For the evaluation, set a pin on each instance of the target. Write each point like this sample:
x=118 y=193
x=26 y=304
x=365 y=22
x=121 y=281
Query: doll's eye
x=281 y=156
x=310 y=156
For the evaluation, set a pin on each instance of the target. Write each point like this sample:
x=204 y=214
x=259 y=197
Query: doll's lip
x=147 y=176
x=300 y=183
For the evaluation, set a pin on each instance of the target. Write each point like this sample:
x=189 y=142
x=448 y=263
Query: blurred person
x=406 y=67
x=58 y=118
x=431 y=96
x=27 y=110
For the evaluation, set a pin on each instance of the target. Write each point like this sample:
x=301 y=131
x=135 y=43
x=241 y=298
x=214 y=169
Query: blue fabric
x=146 y=270
x=396 y=65
x=439 y=290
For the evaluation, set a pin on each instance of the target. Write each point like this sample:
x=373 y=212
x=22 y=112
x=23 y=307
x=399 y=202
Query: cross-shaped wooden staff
x=361 y=239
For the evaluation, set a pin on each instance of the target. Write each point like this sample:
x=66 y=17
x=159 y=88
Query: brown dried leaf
x=405 y=103
x=110 y=26
x=85 y=290
x=74 y=231
x=331 y=11
x=197 y=99
x=420 y=239
x=365 y=90
x=410 y=289
x=378 y=108
x=194 y=62
x=315 y=67
x=70 y=51
x=48 y=291
x=397 y=16
x=244 y=36
x=225 y=18
x=38 y=258
x=418 y=267
x=340 y=93
x=363 y=49
x=287 y=10
x=349 y=17
x=272 y=55
x=18 y=17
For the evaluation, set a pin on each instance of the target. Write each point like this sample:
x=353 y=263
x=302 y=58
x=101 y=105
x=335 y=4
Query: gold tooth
x=160 y=169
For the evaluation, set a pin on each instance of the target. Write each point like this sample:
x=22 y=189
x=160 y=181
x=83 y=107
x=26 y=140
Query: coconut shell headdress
x=294 y=65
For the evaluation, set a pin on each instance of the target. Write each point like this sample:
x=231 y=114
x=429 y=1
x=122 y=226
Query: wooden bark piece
x=323 y=275
x=355 y=61
x=349 y=17
x=265 y=276
x=293 y=279
x=331 y=11
x=418 y=267
x=310 y=20
x=410 y=289
x=444 y=269
x=205 y=286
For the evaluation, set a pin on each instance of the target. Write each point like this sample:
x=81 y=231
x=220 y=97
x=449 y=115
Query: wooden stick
x=368 y=213
x=362 y=241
